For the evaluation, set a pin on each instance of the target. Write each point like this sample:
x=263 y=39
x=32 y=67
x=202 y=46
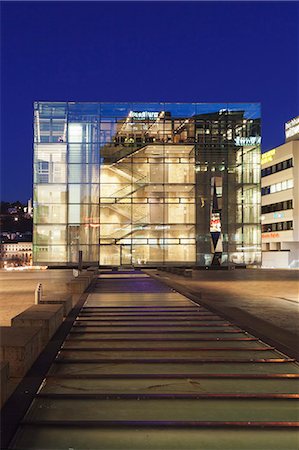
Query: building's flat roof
x=177 y=109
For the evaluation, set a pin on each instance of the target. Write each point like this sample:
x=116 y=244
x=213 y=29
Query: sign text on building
x=270 y=235
x=268 y=156
x=144 y=115
x=247 y=141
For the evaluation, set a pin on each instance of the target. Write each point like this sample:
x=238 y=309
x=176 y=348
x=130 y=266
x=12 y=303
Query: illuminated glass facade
x=147 y=184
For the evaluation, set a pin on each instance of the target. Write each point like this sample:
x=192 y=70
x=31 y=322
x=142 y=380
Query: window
x=266 y=190
x=288 y=163
x=278 y=226
x=280 y=206
x=277 y=187
x=274 y=188
x=43 y=171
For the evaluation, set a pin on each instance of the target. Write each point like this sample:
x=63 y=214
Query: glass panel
x=209 y=385
x=50 y=214
x=83 y=173
x=83 y=213
x=50 y=163
x=180 y=253
x=83 y=234
x=48 y=253
x=114 y=231
x=83 y=193
x=110 y=255
x=180 y=213
x=132 y=439
x=50 y=194
x=49 y=235
x=116 y=213
x=173 y=409
x=90 y=253
x=160 y=368
x=115 y=190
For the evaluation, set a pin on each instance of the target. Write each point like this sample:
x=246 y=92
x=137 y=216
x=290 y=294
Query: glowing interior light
x=75 y=132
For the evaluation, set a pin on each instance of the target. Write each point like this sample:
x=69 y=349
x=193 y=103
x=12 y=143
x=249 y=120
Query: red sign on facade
x=270 y=235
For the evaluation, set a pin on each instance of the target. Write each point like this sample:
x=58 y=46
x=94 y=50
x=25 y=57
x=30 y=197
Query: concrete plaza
x=265 y=302
x=17 y=289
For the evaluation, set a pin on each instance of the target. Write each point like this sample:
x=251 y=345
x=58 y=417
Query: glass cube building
x=147 y=184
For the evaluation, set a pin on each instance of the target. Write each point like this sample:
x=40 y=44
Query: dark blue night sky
x=143 y=51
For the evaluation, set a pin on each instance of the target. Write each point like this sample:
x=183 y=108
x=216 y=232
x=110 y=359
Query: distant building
x=28 y=210
x=8 y=236
x=16 y=222
x=15 y=253
x=147 y=184
x=13 y=210
x=280 y=201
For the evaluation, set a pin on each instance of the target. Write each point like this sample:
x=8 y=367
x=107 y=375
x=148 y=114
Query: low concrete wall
x=17 y=289
x=58 y=299
x=20 y=347
x=186 y=272
x=77 y=285
x=4 y=373
x=93 y=269
x=47 y=317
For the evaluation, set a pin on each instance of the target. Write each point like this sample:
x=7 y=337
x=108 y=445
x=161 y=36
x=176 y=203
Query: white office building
x=280 y=202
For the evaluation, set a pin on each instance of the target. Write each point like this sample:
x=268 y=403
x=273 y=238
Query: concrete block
x=84 y=281
x=93 y=269
x=64 y=299
x=88 y=277
x=90 y=273
x=57 y=310
x=188 y=273
x=75 y=299
x=47 y=317
x=76 y=286
x=20 y=347
x=4 y=374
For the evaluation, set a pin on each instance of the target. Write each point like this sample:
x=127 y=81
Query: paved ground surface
x=17 y=289
x=144 y=367
x=263 y=301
